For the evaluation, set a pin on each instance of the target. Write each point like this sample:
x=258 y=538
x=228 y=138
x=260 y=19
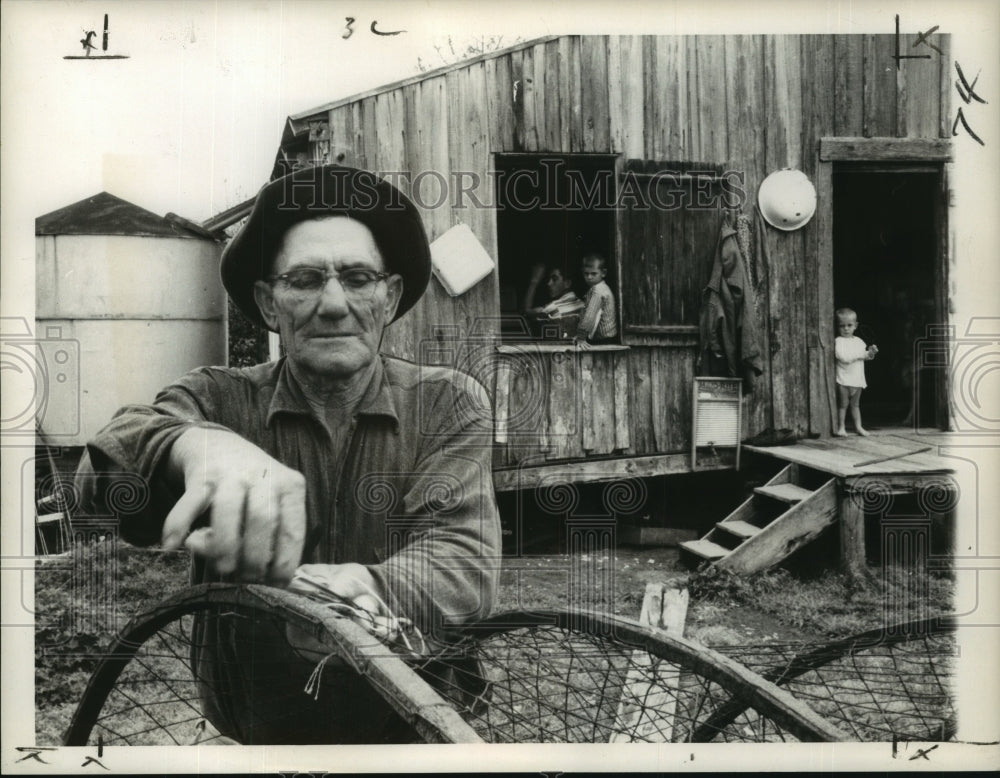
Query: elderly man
x=370 y=473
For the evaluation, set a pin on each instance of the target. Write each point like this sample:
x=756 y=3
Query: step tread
x=705 y=548
x=742 y=529
x=784 y=492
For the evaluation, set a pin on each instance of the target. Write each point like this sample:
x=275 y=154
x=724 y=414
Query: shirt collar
x=288 y=396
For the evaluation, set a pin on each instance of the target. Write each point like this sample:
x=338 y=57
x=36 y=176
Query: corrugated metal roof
x=105 y=214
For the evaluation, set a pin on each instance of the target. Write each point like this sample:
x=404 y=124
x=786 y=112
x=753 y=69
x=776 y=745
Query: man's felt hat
x=328 y=190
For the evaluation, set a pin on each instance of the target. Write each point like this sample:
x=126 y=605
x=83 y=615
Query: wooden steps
x=705 y=549
x=742 y=529
x=789 y=493
x=787 y=512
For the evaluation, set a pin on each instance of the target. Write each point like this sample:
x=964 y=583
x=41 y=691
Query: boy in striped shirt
x=599 y=323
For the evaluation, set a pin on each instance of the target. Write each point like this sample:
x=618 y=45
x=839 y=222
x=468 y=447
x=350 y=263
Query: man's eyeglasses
x=358 y=283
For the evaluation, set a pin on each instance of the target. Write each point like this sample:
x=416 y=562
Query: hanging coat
x=730 y=343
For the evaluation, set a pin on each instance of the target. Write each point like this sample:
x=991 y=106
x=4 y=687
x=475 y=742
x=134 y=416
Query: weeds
x=832 y=603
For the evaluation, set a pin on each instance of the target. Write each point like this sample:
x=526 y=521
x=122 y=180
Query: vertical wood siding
x=753 y=104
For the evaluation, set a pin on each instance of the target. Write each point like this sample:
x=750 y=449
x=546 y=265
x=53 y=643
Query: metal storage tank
x=126 y=301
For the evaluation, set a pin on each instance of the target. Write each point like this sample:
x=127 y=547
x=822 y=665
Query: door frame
x=935 y=151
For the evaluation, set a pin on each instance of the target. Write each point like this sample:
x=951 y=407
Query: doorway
x=888 y=267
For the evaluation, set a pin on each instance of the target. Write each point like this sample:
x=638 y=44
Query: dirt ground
x=619 y=581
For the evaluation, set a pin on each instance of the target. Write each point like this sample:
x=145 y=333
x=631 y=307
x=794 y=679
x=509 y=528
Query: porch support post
x=852 y=533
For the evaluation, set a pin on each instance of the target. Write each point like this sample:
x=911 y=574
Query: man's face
x=593 y=273
x=334 y=331
x=557 y=285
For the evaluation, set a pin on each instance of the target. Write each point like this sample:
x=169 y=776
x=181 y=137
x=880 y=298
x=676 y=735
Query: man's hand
x=257 y=506
x=350 y=580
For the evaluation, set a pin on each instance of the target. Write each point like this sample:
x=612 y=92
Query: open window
x=552 y=210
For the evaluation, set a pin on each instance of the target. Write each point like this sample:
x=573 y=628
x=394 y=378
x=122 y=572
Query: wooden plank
x=819 y=256
x=660 y=383
x=468 y=146
x=369 y=124
x=589 y=405
x=640 y=401
x=741 y=529
x=518 y=99
x=711 y=95
x=615 y=89
x=745 y=119
x=817 y=122
x=564 y=90
x=531 y=474
x=501 y=400
x=852 y=536
x=654 y=687
x=783 y=101
x=919 y=103
x=783 y=104
x=534 y=97
x=945 y=87
x=432 y=153
x=787 y=492
x=500 y=94
x=341 y=137
x=631 y=89
x=879 y=92
x=389 y=116
x=747 y=131
x=622 y=396
x=359 y=137
x=594 y=92
x=848 y=85
x=603 y=424
x=527 y=405
x=799 y=525
x=554 y=97
x=689 y=105
x=671 y=129
x=565 y=436
x=650 y=117
x=654 y=536
x=575 y=95
x=885 y=150
x=706 y=549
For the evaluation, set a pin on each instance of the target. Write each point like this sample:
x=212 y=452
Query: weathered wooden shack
x=613 y=116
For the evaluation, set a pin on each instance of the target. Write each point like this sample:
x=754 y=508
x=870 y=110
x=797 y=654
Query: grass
x=82 y=599
x=831 y=604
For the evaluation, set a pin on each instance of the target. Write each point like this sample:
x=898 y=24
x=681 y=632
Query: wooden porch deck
x=846 y=457
x=897 y=460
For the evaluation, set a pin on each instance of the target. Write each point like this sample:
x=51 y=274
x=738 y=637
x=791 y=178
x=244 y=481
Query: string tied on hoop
x=313 y=684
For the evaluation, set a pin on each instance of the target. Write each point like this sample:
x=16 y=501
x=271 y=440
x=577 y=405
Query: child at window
x=562 y=299
x=851 y=354
x=599 y=323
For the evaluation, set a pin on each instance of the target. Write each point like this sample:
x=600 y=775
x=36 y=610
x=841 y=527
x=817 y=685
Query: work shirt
x=599 y=320
x=412 y=499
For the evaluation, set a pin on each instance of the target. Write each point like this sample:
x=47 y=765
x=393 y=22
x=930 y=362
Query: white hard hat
x=787 y=199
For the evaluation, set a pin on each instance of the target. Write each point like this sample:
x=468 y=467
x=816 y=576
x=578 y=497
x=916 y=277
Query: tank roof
x=105 y=214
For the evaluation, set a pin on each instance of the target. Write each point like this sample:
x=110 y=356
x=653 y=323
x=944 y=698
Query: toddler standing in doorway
x=851 y=354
